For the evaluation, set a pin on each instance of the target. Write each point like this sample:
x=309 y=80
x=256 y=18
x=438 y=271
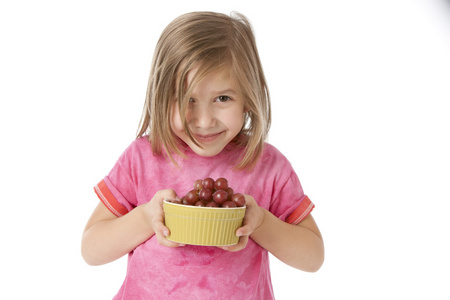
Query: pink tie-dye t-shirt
x=200 y=272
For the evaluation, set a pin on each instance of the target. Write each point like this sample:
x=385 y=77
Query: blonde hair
x=210 y=42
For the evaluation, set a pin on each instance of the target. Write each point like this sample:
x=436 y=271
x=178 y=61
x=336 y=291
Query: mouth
x=205 y=138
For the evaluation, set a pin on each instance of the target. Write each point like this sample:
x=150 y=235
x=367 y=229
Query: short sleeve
x=291 y=204
x=303 y=209
x=109 y=200
x=117 y=191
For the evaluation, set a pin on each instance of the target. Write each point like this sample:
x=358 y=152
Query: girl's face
x=215 y=113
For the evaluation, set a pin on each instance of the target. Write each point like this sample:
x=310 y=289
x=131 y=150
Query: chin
x=205 y=152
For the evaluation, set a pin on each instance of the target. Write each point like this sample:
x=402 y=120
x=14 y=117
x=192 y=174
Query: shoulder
x=273 y=164
x=138 y=150
x=141 y=144
x=272 y=155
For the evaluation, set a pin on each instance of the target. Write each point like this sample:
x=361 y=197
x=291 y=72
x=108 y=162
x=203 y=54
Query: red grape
x=229 y=204
x=220 y=197
x=191 y=197
x=200 y=203
x=198 y=184
x=212 y=204
x=238 y=199
x=221 y=184
x=183 y=200
x=230 y=192
x=205 y=195
x=208 y=183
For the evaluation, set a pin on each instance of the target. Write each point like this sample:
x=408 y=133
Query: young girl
x=206 y=114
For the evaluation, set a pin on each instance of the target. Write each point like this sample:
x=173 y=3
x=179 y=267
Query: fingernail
x=166 y=233
x=181 y=245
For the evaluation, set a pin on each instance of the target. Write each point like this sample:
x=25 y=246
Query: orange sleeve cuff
x=301 y=211
x=108 y=199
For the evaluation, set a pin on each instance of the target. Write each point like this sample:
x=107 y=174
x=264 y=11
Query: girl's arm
x=300 y=246
x=107 y=237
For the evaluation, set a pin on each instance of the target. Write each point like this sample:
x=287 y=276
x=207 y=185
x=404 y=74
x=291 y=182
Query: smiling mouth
x=207 y=137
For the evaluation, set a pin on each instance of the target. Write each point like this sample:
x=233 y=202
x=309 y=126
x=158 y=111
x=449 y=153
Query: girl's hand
x=155 y=214
x=254 y=216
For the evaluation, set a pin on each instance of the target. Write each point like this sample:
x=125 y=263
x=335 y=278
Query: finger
x=242 y=243
x=162 y=232
x=162 y=240
x=245 y=230
x=160 y=228
x=161 y=235
x=168 y=194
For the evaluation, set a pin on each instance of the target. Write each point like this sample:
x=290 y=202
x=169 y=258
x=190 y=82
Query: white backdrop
x=360 y=102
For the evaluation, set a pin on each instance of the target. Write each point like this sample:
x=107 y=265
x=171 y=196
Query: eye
x=223 y=98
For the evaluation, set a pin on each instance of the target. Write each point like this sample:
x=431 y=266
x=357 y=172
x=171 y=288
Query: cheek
x=235 y=119
x=175 y=121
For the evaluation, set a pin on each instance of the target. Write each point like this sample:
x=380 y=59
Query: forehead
x=203 y=76
x=221 y=76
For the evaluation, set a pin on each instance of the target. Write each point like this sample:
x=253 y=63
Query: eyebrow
x=227 y=91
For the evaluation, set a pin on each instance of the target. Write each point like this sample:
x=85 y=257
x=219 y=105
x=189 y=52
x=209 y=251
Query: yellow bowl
x=206 y=226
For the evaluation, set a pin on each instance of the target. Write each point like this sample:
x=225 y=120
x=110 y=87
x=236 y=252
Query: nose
x=203 y=116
